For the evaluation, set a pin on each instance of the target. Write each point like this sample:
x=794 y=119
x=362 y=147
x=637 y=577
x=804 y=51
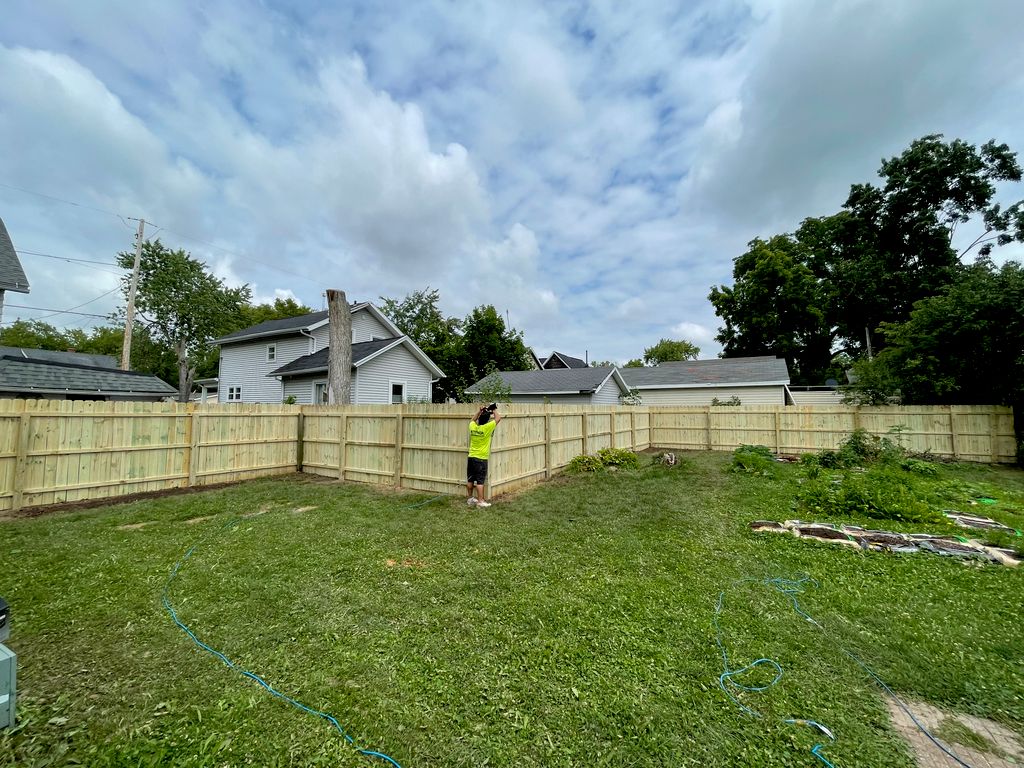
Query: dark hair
x=484 y=417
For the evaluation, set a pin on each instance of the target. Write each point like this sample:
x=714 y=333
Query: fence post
x=547 y=442
x=300 y=439
x=707 y=411
x=778 y=430
x=614 y=419
x=21 y=465
x=952 y=432
x=993 y=421
x=342 y=445
x=194 y=430
x=399 y=439
x=586 y=440
x=632 y=426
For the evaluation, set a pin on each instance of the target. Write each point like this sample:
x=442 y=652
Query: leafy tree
x=34 y=334
x=962 y=346
x=777 y=306
x=183 y=306
x=487 y=345
x=281 y=309
x=420 y=318
x=493 y=389
x=668 y=350
x=895 y=246
x=634 y=363
x=603 y=363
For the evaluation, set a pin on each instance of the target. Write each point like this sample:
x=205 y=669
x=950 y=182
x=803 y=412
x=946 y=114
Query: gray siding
x=608 y=394
x=245 y=365
x=703 y=395
x=372 y=380
x=554 y=399
x=821 y=397
x=302 y=388
x=365 y=327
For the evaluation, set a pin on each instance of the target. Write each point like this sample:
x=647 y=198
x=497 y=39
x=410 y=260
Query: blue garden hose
x=252 y=676
x=792 y=588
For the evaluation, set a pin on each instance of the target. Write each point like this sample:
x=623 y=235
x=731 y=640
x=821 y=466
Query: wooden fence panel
x=55 y=451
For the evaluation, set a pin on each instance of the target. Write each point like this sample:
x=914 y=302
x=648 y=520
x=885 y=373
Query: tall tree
x=420 y=318
x=339 y=357
x=183 y=306
x=667 y=350
x=776 y=306
x=488 y=345
x=254 y=314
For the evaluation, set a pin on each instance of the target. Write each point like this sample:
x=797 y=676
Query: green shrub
x=918 y=467
x=584 y=463
x=883 y=492
x=752 y=460
x=621 y=458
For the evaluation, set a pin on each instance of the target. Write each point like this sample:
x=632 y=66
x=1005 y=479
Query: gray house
x=12 y=276
x=564 y=386
x=40 y=373
x=272 y=361
x=752 y=380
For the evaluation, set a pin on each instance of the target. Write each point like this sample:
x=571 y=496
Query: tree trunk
x=339 y=355
x=185 y=373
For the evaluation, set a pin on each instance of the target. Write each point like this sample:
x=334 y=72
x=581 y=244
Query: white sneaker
x=471 y=501
x=483 y=503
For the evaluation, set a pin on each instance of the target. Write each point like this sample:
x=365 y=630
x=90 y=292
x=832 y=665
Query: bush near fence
x=54 y=452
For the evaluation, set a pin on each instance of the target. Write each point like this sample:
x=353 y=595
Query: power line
x=67 y=202
x=65 y=258
x=59 y=311
x=78 y=306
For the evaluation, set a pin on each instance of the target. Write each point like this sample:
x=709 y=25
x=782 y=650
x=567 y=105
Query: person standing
x=481 y=428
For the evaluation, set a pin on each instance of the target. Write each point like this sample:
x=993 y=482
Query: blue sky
x=590 y=168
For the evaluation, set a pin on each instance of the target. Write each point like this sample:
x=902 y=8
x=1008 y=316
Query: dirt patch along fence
x=55 y=452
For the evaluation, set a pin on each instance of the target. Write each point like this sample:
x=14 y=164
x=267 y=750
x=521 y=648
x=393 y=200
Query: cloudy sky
x=589 y=168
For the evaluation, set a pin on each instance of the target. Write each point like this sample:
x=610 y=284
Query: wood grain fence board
x=55 y=451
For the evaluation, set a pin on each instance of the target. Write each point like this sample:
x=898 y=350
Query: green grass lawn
x=570 y=625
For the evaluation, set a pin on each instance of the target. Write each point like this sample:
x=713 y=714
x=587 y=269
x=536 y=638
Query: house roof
x=556 y=381
x=12 y=276
x=301 y=323
x=362 y=352
x=72 y=358
x=570 y=362
x=24 y=375
x=274 y=327
x=727 y=372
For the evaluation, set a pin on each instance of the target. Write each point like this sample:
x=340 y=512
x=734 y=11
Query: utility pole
x=129 y=318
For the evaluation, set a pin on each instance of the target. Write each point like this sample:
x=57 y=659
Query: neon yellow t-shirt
x=480 y=439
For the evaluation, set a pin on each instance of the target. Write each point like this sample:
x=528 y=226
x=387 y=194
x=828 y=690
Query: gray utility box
x=8 y=686
x=5 y=621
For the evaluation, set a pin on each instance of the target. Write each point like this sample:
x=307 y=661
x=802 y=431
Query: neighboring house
x=827 y=395
x=753 y=380
x=207 y=390
x=563 y=386
x=12 y=276
x=272 y=361
x=558 y=360
x=74 y=376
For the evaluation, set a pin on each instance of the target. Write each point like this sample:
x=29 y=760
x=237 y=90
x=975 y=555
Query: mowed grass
x=570 y=625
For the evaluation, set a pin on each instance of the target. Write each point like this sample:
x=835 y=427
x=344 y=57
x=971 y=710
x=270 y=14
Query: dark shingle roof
x=697 y=373
x=551 y=381
x=274 y=327
x=12 y=276
x=571 y=362
x=318 y=360
x=20 y=375
x=68 y=358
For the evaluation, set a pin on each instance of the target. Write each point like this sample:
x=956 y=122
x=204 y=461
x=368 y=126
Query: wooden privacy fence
x=53 y=452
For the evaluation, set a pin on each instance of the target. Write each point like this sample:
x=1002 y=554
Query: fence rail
x=54 y=452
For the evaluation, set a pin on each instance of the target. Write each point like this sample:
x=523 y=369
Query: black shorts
x=476 y=471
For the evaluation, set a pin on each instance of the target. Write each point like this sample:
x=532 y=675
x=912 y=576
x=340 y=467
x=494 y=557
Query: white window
x=234 y=394
x=271 y=352
x=397 y=392
x=320 y=393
